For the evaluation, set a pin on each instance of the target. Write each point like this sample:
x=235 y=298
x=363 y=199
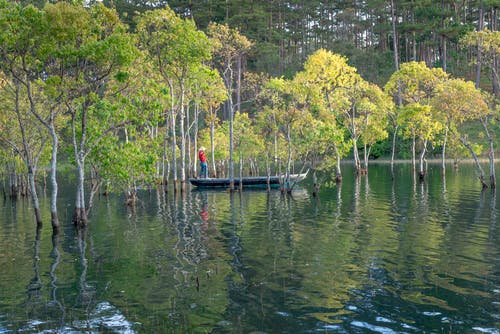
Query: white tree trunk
x=443 y=154
x=413 y=152
x=34 y=195
x=212 y=133
x=476 y=161
x=491 y=153
x=53 y=178
x=422 y=158
x=182 y=116
x=174 y=139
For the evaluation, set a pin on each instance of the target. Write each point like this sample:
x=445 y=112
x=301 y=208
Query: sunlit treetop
x=416 y=82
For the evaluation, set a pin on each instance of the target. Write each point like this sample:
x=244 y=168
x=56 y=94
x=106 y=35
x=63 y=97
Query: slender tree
x=21 y=46
x=96 y=64
x=328 y=77
x=416 y=84
x=228 y=48
x=456 y=102
x=177 y=49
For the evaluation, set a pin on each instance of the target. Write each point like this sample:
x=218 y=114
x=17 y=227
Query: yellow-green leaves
x=415 y=81
x=329 y=71
x=457 y=100
x=227 y=43
x=486 y=40
x=418 y=120
x=174 y=44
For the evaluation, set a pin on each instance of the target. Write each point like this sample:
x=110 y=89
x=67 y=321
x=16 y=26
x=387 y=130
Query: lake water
x=369 y=256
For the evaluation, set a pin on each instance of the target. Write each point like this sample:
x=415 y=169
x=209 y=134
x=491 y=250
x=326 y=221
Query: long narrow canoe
x=248 y=182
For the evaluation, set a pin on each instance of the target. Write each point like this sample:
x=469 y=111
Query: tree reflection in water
x=87 y=291
x=34 y=287
x=54 y=303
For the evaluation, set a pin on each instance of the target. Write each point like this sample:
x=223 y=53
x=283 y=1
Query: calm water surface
x=369 y=256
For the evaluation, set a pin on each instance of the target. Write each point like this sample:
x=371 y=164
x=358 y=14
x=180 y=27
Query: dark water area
x=373 y=255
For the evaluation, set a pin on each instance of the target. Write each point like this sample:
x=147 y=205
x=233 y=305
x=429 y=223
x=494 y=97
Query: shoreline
x=429 y=161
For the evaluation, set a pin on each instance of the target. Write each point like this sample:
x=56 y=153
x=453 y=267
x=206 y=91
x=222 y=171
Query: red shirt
x=201 y=156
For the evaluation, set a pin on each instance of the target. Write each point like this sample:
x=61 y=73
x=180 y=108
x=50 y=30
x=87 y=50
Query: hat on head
x=202 y=148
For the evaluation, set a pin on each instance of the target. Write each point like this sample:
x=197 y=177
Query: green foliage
x=417 y=120
x=457 y=100
x=488 y=45
x=221 y=144
x=174 y=44
x=248 y=143
x=227 y=44
x=82 y=64
x=415 y=81
x=126 y=165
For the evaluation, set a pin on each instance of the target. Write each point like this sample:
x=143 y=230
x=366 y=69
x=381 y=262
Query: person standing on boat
x=203 y=162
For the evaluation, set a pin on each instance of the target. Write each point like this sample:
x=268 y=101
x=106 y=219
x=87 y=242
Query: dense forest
x=125 y=92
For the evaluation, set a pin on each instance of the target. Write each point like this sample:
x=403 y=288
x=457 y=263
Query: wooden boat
x=248 y=182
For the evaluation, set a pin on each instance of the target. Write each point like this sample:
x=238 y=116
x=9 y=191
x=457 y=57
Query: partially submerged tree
x=363 y=110
x=414 y=83
x=177 y=49
x=96 y=66
x=229 y=46
x=21 y=47
x=247 y=143
x=458 y=101
x=291 y=113
x=418 y=122
x=327 y=76
x=208 y=92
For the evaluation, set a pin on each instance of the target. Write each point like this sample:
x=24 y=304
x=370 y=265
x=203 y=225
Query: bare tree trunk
x=422 y=170
x=164 y=177
x=444 y=51
x=393 y=152
x=229 y=85
x=491 y=153
x=338 y=172
x=174 y=139
x=182 y=117
x=394 y=37
x=212 y=133
x=366 y=154
x=80 y=215
x=195 y=138
x=443 y=154
x=188 y=144
x=476 y=161
x=53 y=178
x=241 y=172
x=231 y=146
x=396 y=68
x=13 y=185
x=289 y=158
x=238 y=85
x=276 y=153
x=34 y=195
x=494 y=67
x=94 y=189
x=29 y=160
x=413 y=152
x=479 y=59
x=495 y=83
x=357 y=162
